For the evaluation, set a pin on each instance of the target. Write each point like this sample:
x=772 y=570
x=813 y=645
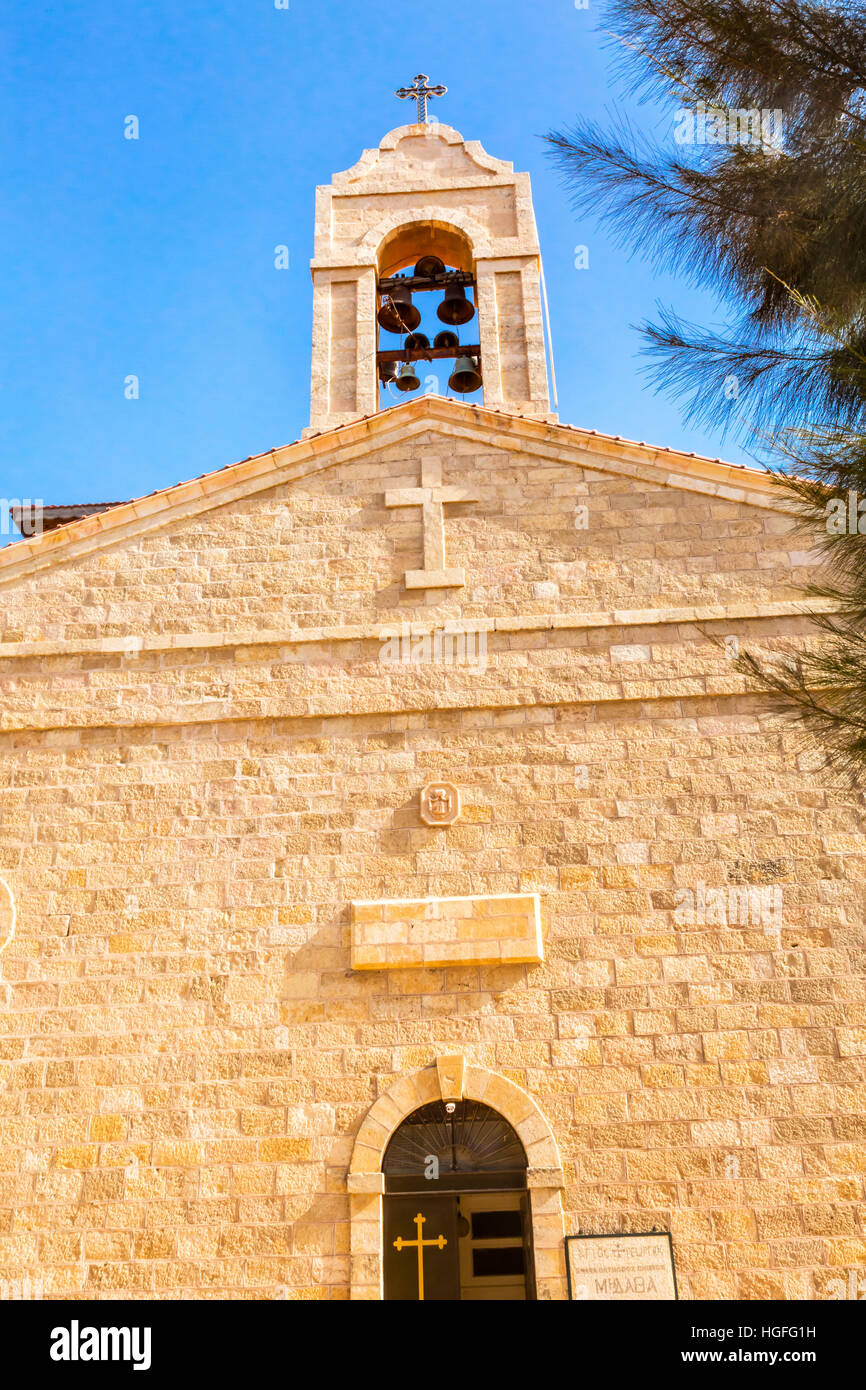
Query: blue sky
x=155 y=257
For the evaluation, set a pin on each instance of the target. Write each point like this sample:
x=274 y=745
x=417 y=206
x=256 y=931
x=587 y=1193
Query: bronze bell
x=466 y=377
x=446 y=339
x=455 y=307
x=398 y=314
x=416 y=341
x=428 y=267
x=406 y=379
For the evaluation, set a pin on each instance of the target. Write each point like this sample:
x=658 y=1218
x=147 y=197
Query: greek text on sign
x=621 y=1268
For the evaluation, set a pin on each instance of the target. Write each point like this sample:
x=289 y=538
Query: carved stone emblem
x=440 y=804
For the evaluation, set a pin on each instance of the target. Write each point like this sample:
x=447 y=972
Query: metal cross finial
x=420 y=91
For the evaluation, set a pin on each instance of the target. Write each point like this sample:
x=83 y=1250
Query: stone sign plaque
x=416 y=933
x=621 y=1268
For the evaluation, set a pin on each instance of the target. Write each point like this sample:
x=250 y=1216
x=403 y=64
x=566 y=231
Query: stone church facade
x=406 y=767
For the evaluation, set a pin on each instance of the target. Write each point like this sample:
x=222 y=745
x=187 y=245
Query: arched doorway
x=452 y=1079
x=456 y=1218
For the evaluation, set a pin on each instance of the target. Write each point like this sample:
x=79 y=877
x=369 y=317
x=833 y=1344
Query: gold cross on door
x=400 y=1244
x=432 y=498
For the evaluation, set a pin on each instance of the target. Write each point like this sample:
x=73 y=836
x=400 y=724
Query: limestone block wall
x=187 y=1057
x=187 y=1054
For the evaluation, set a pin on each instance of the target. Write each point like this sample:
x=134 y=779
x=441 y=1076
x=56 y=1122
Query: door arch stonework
x=366 y=1181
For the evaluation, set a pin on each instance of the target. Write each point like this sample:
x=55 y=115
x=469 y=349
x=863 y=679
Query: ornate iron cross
x=400 y=1244
x=420 y=91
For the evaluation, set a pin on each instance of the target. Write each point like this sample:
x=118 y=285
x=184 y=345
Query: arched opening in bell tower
x=428 y=333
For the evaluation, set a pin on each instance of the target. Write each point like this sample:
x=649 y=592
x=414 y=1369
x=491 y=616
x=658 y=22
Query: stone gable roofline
x=368 y=165
x=317 y=451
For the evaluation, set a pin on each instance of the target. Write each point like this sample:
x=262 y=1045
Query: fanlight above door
x=471 y=1148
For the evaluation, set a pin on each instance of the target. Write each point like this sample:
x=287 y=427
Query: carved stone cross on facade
x=431 y=497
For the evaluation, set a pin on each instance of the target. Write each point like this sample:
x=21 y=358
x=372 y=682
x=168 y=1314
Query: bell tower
x=426 y=213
